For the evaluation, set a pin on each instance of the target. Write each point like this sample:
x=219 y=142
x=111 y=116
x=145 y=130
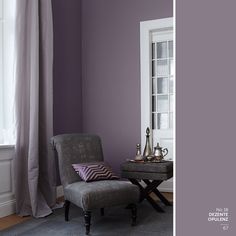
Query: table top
x=161 y=167
x=147 y=170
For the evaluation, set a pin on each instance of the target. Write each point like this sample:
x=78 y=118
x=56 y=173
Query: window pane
x=1 y=48
x=171 y=102
x=7 y=34
x=162 y=121
x=154 y=105
x=154 y=86
x=170 y=47
x=153 y=51
x=162 y=68
x=162 y=103
x=153 y=68
x=171 y=67
x=162 y=85
x=154 y=121
x=1 y=9
x=171 y=84
x=171 y=120
x=162 y=50
x=1 y=85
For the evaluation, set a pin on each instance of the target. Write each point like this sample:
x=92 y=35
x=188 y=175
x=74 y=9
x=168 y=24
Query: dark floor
x=116 y=222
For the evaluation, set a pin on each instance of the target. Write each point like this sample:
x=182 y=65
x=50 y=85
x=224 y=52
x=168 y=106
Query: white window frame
x=146 y=29
x=7 y=53
x=1 y=69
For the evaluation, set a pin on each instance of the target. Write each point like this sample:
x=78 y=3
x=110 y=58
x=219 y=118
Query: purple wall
x=111 y=71
x=67 y=66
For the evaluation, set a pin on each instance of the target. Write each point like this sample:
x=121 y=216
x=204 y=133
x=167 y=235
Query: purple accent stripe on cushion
x=92 y=172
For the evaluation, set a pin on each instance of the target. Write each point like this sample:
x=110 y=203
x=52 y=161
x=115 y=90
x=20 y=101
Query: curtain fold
x=34 y=164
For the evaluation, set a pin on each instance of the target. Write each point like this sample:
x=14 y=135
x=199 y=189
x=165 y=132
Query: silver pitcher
x=159 y=152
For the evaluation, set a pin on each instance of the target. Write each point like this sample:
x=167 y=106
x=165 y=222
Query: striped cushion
x=94 y=171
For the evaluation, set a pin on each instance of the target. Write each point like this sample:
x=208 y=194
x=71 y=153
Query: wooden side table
x=152 y=174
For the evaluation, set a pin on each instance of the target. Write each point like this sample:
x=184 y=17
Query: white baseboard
x=60 y=191
x=166 y=186
x=7 y=208
x=166 y=190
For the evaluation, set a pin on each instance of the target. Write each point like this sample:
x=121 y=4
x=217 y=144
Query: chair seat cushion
x=104 y=193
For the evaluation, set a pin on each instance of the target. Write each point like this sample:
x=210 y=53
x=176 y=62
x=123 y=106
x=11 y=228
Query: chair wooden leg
x=133 y=208
x=134 y=214
x=102 y=211
x=67 y=207
x=87 y=218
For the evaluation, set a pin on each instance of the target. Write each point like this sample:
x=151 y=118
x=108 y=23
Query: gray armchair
x=81 y=148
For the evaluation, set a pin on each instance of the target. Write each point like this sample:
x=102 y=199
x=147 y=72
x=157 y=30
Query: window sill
x=7 y=146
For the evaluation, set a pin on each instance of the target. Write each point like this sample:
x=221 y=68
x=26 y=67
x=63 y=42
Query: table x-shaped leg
x=146 y=191
x=156 y=191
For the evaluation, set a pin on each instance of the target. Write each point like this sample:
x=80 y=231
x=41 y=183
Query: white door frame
x=146 y=28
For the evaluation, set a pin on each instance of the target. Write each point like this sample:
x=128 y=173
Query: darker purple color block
x=97 y=70
x=67 y=92
x=111 y=71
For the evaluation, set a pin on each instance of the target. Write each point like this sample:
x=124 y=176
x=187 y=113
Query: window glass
x=161 y=50
x=7 y=37
x=162 y=84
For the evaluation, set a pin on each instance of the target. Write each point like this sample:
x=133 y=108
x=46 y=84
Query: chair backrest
x=75 y=148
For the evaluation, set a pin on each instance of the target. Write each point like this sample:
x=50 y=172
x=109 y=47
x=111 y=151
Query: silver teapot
x=159 y=152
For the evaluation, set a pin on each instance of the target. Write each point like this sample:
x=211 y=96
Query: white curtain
x=35 y=177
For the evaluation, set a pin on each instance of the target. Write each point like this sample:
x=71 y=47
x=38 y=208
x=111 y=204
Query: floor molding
x=60 y=191
x=7 y=208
